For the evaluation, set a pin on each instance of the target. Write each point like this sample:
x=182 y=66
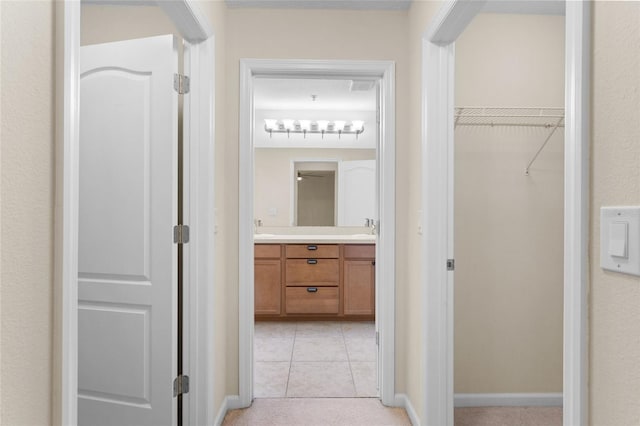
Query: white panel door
x=356 y=192
x=127 y=262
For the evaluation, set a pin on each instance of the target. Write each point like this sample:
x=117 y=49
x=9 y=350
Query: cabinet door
x=267 y=286
x=359 y=287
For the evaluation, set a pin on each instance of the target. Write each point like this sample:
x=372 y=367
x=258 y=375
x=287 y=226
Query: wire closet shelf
x=548 y=118
x=509 y=116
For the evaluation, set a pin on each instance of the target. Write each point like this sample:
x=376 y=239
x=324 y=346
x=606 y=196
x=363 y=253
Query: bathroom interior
x=315 y=203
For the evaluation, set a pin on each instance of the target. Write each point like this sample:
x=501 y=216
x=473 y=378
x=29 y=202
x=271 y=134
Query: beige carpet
x=508 y=416
x=370 y=412
x=317 y=412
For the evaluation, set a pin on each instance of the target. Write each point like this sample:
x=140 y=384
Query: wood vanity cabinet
x=314 y=281
x=312 y=278
x=267 y=279
x=359 y=280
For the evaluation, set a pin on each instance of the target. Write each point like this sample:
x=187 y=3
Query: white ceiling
x=295 y=94
x=323 y=4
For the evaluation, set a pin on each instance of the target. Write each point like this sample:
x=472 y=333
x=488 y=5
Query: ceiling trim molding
x=321 y=4
x=528 y=7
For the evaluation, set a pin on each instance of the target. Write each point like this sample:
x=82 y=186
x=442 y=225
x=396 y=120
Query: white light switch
x=620 y=239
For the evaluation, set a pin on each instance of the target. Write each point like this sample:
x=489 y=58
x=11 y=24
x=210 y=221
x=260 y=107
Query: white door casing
x=356 y=192
x=384 y=71
x=127 y=261
x=438 y=57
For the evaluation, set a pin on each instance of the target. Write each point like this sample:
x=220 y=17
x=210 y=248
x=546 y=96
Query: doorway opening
x=86 y=388
x=438 y=155
x=508 y=218
x=314 y=280
x=317 y=284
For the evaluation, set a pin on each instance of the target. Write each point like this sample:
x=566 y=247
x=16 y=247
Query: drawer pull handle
x=312 y=289
x=312 y=261
x=312 y=247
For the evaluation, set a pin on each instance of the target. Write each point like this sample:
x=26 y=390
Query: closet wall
x=509 y=226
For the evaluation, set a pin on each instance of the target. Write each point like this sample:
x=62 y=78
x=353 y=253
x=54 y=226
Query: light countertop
x=310 y=239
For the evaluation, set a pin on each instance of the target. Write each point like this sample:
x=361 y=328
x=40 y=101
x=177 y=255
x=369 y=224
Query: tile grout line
x=353 y=381
x=293 y=346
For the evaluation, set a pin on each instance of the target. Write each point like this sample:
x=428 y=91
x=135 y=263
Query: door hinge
x=181 y=84
x=451 y=264
x=180 y=385
x=377 y=338
x=181 y=234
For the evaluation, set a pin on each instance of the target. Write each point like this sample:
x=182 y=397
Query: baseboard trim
x=402 y=400
x=230 y=402
x=507 y=399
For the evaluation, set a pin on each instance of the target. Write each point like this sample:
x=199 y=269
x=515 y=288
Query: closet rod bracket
x=526 y=170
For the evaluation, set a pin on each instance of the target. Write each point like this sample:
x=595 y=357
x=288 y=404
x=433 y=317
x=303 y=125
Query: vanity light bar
x=288 y=126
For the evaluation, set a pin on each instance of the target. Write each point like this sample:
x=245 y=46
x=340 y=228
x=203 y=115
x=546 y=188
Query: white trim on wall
x=402 y=400
x=66 y=214
x=198 y=213
x=437 y=180
x=385 y=249
x=199 y=192
x=508 y=399
x=576 y=211
x=438 y=62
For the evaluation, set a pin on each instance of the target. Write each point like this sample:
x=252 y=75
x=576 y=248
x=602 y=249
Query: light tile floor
x=315 y=359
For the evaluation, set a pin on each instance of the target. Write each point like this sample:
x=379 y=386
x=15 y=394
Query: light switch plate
x=620 y=239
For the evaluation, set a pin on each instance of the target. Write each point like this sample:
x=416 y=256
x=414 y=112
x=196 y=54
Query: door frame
x=438 y=56
x=199 y=196
x=385 y=248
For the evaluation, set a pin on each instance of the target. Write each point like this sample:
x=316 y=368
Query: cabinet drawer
x=271 y=251
x=360 y=251
x=316 y=272
x=315 y=251
x=312 y=300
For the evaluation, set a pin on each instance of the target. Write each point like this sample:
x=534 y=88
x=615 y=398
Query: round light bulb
x=339 y=125
x=323 y=125
x=270 y=124
x=288 y=124
x=357 y=125
x=305 y=125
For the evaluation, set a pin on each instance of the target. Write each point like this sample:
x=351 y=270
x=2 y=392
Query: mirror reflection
x=315 y=151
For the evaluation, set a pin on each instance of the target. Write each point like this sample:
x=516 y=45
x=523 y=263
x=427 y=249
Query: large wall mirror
x=315 y=145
